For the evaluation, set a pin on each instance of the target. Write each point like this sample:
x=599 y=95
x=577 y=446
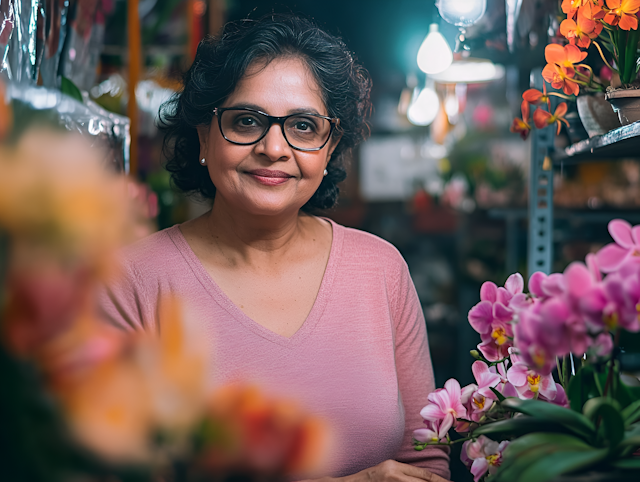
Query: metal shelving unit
x=621 y=143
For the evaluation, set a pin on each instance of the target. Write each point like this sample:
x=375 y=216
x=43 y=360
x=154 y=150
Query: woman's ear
x=203 y=136
x=333 y=143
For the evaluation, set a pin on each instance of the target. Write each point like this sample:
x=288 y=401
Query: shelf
x=586 y=216
x=620 y=143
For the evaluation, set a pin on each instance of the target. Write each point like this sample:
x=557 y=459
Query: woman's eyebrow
x=297 y=110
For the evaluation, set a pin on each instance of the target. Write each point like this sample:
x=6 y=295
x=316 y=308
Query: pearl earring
x=203 y=161
x=325 y=172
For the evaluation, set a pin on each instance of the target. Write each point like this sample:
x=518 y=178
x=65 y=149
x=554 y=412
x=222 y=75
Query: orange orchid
x=522 y=126
x=542 y=118
x=560 y=78
x=580 y=31
x=565 y=56
x=591 y=9
x=622 y=13
x=535 y=97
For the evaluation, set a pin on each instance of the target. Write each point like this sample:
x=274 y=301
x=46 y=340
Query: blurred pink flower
x=504 y=386
x=529 y=384
x=626 y=247
x=445 y=407
x=603 y=344
x=482 y=455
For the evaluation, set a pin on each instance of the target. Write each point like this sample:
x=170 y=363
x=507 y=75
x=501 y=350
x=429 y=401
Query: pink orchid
x=529 y=383
x=626 y=247
x=560 y=398
x=482 y=397
x=445 y=407
x=482 y=455
x=493 y=315
x=603 y=345
x=504 y=386
x=427 y=435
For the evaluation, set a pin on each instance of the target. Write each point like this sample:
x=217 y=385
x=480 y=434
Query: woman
x=297 y=303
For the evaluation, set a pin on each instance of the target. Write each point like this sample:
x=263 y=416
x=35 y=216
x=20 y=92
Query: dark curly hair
x=219 y=65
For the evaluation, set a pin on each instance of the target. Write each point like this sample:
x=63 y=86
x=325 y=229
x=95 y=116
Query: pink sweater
x=360 y=360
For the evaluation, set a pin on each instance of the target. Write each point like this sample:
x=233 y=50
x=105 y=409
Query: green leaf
x=631 y=413
x=69 y=88
x=628 y=464
x=582 y=387
x=528 y=449
x=575 y=422
x=608 y=411
x=561 y=462
x=500 y=396
x=514 y=427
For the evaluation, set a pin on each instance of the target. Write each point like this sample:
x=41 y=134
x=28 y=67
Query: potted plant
x=518 y=422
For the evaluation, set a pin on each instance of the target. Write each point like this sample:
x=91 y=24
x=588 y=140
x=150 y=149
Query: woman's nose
x=273 y=144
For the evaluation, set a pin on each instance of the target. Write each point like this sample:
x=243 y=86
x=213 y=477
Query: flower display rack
x=623 y=142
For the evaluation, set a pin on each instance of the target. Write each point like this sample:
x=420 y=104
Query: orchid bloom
x=529 y=383
x=626 y=247
x=542 y=118
x=560 y=399
x=622 y=13
x=482 y=397
x=534 y=96
x=522 y=126
x=427 y=435
x=580 y=31
x=560 y=78
x=560 y=70
x=482 y=455
x=493 y=315
x=570 y=7
x=445 y=407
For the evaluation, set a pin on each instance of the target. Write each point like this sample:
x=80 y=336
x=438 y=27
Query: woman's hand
x=390 y=471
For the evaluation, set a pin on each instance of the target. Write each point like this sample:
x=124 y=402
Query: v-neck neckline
x=220 y=297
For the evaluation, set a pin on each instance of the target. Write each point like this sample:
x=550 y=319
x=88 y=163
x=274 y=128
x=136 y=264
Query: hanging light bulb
x=462 y=13
x=424 y=107
x=435 y=54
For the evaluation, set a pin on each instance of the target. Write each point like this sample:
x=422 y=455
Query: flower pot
x=596 y=114
x=626 y=102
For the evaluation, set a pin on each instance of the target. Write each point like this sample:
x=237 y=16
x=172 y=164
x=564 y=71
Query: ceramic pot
x=626 y=102
x=596 y=114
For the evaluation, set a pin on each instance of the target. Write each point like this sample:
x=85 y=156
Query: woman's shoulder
x=366 y=247
x=155 y=249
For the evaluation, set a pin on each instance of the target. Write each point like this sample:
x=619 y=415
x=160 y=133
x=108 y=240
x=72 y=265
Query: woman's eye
x=304 y=125
x=247 y=121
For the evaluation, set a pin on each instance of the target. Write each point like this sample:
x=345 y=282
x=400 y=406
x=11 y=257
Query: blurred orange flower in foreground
x=250 y=433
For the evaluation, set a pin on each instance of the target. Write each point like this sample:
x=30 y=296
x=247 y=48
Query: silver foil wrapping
x=83 y=44
x=23 y=55
x=7 y=20
x=104 y=129
x=56 y=12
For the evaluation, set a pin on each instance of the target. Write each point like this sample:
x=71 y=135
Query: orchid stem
x=612 y=363
x=563 y=96
x=602 y=55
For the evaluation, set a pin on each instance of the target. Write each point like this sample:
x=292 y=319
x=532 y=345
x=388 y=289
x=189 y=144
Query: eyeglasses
x=304 y=132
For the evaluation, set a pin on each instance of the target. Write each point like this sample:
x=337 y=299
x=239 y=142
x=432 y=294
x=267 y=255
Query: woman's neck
x=248 y=237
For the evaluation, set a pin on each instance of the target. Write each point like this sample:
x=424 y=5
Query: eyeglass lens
x=301 y=130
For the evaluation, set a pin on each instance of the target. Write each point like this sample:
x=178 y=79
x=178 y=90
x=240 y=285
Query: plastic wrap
x=57 y=13
x=23 y=55
x=83 y=44
x=104 y=129
x=7 y=19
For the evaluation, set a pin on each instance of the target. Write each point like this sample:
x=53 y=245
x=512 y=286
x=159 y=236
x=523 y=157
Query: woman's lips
x=270 y=177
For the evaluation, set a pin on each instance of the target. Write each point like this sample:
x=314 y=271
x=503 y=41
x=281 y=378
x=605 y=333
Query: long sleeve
x=415 y=372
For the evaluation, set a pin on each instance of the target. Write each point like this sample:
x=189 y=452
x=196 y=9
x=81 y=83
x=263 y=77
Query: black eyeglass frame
x=334 y=121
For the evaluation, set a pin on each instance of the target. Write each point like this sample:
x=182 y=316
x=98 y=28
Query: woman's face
x=269 y=177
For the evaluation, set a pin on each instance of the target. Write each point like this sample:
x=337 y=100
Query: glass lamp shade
x=424 y=107
x=435 y=54
x=462 y=13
